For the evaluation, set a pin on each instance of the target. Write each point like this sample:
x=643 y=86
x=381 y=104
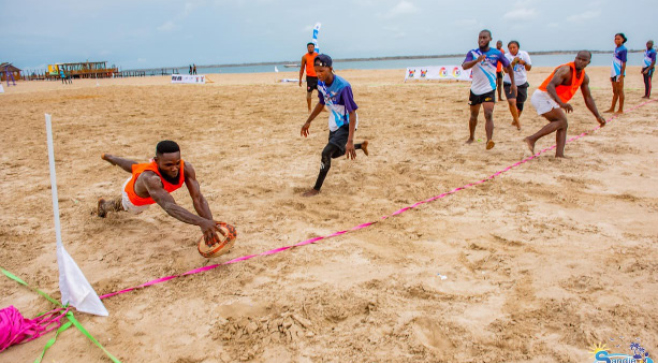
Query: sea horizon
x=362 y=59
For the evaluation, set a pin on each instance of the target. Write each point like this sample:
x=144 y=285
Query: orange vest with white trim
x=566 y=93
x=138 y=169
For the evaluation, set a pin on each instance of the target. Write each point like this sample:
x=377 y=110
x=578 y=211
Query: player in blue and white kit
x=335 y=93
x=648 y=66
x=484 y=60
x=618 y=72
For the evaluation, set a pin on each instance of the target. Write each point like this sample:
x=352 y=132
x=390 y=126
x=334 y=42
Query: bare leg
x=515 y=113
x=308 y=103
x=113 y=205
x=489 y=124
x=499 y=87
x=558 y=122
x=614 y=98
x=473 y=122
x=622 y=97
x=561 y=141
x=125 y=164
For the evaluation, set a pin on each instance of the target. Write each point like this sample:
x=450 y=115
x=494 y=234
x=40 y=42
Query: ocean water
x=553 y=60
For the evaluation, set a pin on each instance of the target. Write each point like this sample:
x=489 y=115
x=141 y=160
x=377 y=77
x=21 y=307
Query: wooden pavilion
x=4 y=67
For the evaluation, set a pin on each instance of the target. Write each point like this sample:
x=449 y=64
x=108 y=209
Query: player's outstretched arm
x=349 y=148
x=125 y=164
x=301 y=69
x=198 y=200
x=167 y=202
x=316 y=111
x=589 y=101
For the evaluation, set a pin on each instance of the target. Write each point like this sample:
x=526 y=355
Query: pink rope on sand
x=364 y=225
x=15 y=329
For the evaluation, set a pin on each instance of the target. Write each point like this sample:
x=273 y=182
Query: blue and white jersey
x=340 y=101
x=649 y=57
x=484 y=73
x=619 y=57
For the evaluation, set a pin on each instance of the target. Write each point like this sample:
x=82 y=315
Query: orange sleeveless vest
x=138 y=169
x=566 y=92
x=310 y=68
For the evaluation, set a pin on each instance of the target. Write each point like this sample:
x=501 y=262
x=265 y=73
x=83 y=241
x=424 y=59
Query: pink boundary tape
x=364 y=225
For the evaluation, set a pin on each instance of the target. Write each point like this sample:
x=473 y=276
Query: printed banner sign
x=438 y=72
x=185 y=78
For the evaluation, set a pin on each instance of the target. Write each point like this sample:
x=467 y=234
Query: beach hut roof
x=11 y=67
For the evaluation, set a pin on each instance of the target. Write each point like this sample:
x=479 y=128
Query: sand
x=543 y=262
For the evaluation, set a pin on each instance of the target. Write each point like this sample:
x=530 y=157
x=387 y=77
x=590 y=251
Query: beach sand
x=542 y=263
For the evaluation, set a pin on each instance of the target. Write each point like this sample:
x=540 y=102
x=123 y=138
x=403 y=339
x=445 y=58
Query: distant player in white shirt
x=521 y=64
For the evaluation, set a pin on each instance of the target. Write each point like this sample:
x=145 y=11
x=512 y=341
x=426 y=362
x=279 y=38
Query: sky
x=136 y=34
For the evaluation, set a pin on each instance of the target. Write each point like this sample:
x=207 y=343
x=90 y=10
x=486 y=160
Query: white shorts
x=127 y=204
x=543 y=102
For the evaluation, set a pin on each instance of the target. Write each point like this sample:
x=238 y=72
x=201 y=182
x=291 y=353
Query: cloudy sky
x=164 y=33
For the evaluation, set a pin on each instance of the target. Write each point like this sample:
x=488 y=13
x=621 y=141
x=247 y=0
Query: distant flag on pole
x=276 y=69
x=316 y=31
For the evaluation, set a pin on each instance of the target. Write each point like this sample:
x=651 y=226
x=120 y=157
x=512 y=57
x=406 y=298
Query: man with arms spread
x=336 y=93
x=484 y=60
x=152 y=182
x=311 y=77
x=648 y=68
x=553 y=96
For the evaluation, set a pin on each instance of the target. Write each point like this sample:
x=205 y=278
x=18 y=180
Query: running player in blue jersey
x=648 y=68
x=336 y=93
x=484 y=60
x=618 y=72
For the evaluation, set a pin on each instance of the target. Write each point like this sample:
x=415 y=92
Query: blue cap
x=323 y=60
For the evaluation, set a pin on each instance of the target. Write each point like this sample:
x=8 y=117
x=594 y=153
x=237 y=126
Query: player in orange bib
x=551 y=100
x=311 y=76
x=152 y=182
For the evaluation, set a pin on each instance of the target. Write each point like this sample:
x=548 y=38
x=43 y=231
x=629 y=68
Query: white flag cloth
x=316 y=32
x=276 y=69
x=73 y=285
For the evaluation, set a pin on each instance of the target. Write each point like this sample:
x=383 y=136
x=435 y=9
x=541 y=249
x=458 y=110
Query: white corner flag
x=276 y=69
x=316 y=32
x=73 y=285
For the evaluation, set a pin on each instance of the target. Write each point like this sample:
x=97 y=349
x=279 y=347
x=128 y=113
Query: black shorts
x=614 y=79
x=311 y=83
x=478 y=99
x=339 y=137
x=521 y=92
x=499 y=75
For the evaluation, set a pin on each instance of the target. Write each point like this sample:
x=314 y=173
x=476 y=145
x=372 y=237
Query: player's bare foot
x=364 y=147
x=530 y=144
x=469 y=141
x=311 y=193
x=619 y=112
x=101 y=207
x=645 y=97
x=609 y=111
x=562 y=157
x=490 y=144
x=517 y=124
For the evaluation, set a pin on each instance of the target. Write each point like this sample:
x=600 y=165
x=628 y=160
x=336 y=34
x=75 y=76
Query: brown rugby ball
x=226 y=242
